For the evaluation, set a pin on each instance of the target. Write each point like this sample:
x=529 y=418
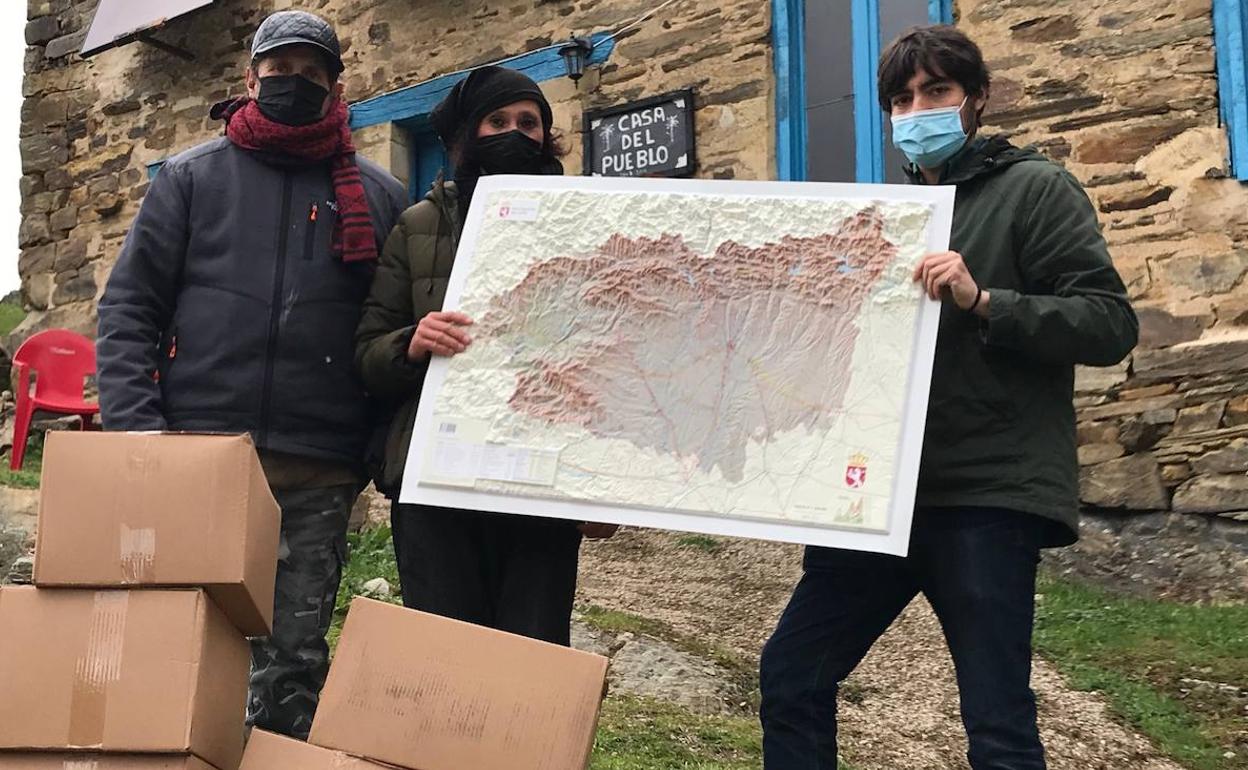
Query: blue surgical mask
x=931 y=137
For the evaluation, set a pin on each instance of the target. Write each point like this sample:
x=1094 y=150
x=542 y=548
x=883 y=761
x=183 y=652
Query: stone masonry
x=1122 y=92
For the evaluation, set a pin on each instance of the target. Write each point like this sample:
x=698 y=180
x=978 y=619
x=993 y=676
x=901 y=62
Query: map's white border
x=894 y=540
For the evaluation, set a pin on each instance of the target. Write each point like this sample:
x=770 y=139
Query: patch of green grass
x=616 y=622
x=703 y=543
x=32 y=465
x=1138 y=652
x=11 y=314
x=645 y=734
x=371 y=556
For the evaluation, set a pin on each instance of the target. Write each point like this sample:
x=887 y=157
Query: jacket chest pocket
x=318 y=229
x=316 y=272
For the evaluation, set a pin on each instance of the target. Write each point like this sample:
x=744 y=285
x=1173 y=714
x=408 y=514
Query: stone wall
x=1124 y=94
x=89 y=128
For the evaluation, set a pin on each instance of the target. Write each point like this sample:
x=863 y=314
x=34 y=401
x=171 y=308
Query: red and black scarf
x=327 y=139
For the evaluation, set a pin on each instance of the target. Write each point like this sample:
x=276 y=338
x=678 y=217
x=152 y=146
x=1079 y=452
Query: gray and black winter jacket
x=228 y=310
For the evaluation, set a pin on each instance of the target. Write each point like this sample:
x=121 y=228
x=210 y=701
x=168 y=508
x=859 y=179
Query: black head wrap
x=457 y=117
x=483 y=91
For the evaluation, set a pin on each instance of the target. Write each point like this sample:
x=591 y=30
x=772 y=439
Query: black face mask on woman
x=291 y=100
x=511 y=152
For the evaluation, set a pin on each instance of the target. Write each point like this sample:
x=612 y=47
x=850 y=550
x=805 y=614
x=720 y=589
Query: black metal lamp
x=575 y=54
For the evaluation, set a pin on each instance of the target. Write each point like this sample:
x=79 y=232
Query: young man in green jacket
x=1028 y=291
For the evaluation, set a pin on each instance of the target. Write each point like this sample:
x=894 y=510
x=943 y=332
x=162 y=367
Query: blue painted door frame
x=788 y=28
x=1230 y=34
x=868 y=120
x=940 y=11
x=420 y=99
x=409 y=107
x=427 y=156
x=789 y=63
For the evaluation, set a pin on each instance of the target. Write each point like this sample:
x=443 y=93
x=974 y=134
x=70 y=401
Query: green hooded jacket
x=1001 y=420
x=411 y=280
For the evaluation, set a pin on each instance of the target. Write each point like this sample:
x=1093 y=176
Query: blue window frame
x=409 y=107
x=868 y=120
x=788 y=45
x=940 y=11
x=829 y=125
x=1230 y=34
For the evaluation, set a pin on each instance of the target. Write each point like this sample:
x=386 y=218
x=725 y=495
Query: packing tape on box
x=99 y=667
x=138 y=554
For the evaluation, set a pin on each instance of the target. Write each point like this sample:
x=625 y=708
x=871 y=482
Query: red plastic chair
x=62 y=360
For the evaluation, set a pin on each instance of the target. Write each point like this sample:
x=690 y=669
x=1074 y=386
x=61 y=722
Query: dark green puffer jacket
x=1001 y=422
x=410 y=282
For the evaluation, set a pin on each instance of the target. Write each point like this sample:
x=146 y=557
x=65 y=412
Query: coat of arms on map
x=690 y=355
x=856 y=471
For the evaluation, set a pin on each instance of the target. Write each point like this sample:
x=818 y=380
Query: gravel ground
x=902 y=709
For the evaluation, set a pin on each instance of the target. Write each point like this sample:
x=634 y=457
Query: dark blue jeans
x=977 y=568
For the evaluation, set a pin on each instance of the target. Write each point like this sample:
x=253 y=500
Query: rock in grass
x=22 y=572
x=377 y=588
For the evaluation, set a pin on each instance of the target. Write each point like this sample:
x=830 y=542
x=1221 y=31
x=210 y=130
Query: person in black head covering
x=496 y=121
x=513 y=573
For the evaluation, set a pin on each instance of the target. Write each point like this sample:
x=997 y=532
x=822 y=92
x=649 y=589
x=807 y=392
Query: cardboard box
x=102 y=762
x=424 y=692
x=268 y=751
x=170 y=510
x=121 y=671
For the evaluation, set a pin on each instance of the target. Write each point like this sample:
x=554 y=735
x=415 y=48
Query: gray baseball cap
x=298 y=28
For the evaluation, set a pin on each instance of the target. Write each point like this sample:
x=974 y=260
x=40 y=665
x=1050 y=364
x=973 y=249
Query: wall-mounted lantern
x=575 y=54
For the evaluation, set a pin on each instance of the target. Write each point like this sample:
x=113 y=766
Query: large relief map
x=744 y=359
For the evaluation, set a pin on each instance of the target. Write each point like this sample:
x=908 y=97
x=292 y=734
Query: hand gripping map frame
x=892 y=539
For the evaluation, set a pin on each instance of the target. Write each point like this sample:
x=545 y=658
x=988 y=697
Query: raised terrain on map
x=692 y=355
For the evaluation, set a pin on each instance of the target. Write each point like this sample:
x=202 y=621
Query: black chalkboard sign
x=652 y=137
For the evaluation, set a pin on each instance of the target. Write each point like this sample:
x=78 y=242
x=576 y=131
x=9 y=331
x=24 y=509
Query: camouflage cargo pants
x=288 y=668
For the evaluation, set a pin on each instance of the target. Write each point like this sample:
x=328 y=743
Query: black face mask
x=509 y=153
x=292 y=100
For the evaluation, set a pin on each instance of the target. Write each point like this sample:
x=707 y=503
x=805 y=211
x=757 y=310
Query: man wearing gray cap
x=232 y=309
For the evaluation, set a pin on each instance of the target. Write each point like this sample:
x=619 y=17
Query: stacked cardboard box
x=267 y=751
x=122 y=510
x=427 y=693
x=156 y=555
x=101 y=762
x=417 y=691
